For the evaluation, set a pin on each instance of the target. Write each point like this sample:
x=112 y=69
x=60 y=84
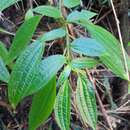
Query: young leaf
x=23 y=37
x=86 y=102
x=54 y=34
x=42 y=107
x=71 y=3
x=82 y=63
x=87 y=46
x=3 y=52
x=6 y=3
x=49 y=11
x=4 y=74
x=62 y=107
x=77 y=16
x=64 y=75
x=20 y=83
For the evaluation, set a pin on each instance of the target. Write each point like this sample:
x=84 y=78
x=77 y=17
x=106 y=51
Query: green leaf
x=29 y=75
x=47 y=69
x=54 y=34
x=82 y=63
x=3 y=52
x=87 y=46
x=129 y=87
x=128 y=43
x=4 y=74
x=71 y=3
x=64 y=75
x=22 y=76
x=77 y=16
x=49 y=11
x=128 y=60
x=23 y=37
x=105 y=38
x=42 y=107
x=6 y=3
x=86 y=102
x=116 y=66
x=62 y=107
x=112 y=47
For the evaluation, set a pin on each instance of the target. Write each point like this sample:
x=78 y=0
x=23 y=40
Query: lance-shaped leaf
x=62 y=107
x=49 y=11
x=77 y=16
x=4 y=74
x=71 y=3
x=47 y=69
x=20 y=83
x=87 y=46
x=42 y=107
x=82 y=63
x=64 y=75
x=111 y=45
x=86 y=102
x=113 y=49
x=105 y=38
x=23 y=37
x=3 y=52
x=6 y=3
x=54 y=34
x=42 y=73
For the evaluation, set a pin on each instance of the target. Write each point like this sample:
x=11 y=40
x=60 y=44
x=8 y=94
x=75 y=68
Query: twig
x=100 y=102
x=105 y=15
x=52 y=2
x=5 y=105
x=30 y=4
x=120 y=37
x=100 y=123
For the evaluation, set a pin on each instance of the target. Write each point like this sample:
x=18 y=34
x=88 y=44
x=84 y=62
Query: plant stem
x=60 y=5
x=30 y=4
x=68 y=44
